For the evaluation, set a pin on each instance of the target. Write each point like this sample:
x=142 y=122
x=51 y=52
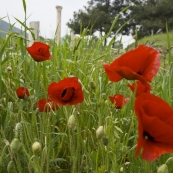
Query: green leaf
x=2 y=49
x=24 y=5
x=29 y=29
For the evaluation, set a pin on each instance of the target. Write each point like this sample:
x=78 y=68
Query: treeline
x=146 y=17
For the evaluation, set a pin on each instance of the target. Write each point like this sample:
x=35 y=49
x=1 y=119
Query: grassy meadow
x=77 y=148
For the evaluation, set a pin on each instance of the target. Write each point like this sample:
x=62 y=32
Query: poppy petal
x=67 y=91
x=112 y=75
x=39 y=51
x=141 y=63
x=155 y=126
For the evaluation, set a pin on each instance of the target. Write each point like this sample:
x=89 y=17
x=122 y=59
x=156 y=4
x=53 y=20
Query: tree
x=150 y=16
x=96 y=16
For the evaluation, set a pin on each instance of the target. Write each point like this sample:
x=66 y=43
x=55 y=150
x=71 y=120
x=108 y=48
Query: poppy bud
x=104 y=96
x=15 y=145
x=9 y=70
x=92 y=85
x=71 y=122
x=11 y=167
x=163 y=169
x=100 y=132
x=169 y=163
x=124 y=149
x=17 y=130
x=105 y=141
x=36 y=146
x=3 y=100
x=121 y=169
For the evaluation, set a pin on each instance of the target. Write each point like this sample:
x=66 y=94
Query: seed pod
x=121 y=169
x=163 y=169
x=92 y=85
x=9 y=70
x=36 y=146
x=71 y=122
x=100 y=132
x=169 y=163
x=11 y=167
x=105 y=141
x=15 y=145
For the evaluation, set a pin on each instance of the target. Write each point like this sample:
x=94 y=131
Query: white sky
x=43 y=11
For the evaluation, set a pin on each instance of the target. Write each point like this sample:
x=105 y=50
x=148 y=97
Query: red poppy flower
x=155 y=126
x=118 y=100
x=67 y=91
x=45 y=105
x=140 y=64
x=39 y=51
x=22 y=92
x=140 y=88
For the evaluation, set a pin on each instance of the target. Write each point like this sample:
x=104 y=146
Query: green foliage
x=98 y=15
x=151 y=16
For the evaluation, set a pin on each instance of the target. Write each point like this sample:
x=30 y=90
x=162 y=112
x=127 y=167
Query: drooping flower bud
x=71 y=122
x=105 y=141
x=100 y=132
x=17 y=130
x=36 y=146
x=163 y=169
x=121 y=169
x=9 y=70
x=92 y=85
x=15 y=145
x=11 y=167
x=169 y=163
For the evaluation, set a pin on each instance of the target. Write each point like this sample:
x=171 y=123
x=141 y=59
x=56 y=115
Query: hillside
x=159 y=41
x=5 y=27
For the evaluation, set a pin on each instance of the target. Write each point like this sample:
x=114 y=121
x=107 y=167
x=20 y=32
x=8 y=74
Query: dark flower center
x=67 y=94
x=139 y=73
x=41 y=51
x=147 y=136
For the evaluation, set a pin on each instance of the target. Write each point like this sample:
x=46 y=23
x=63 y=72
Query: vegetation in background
x=148 y=17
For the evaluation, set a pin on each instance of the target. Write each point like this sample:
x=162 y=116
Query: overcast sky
x=43 y=11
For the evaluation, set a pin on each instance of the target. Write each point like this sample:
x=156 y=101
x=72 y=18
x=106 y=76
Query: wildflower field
x=80 y=107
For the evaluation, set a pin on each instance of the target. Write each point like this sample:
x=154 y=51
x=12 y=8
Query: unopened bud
x=71 y=122
x=121 y=169
x=11 y=167
x=169 y=162
x=100 y=132
x=92 y=85
x=36 y=146
x=105 y=141
x=17 y=130
x=9 y=69
x=15 y=145
x=163 y=169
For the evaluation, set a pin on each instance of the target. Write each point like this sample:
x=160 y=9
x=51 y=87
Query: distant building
x=5 y=28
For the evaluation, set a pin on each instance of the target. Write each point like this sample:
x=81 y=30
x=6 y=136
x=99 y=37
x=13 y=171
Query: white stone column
x=72 y=34
x=36 y=29
x=58 y=28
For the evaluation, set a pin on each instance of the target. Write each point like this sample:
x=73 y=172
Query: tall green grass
x=64 y=149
